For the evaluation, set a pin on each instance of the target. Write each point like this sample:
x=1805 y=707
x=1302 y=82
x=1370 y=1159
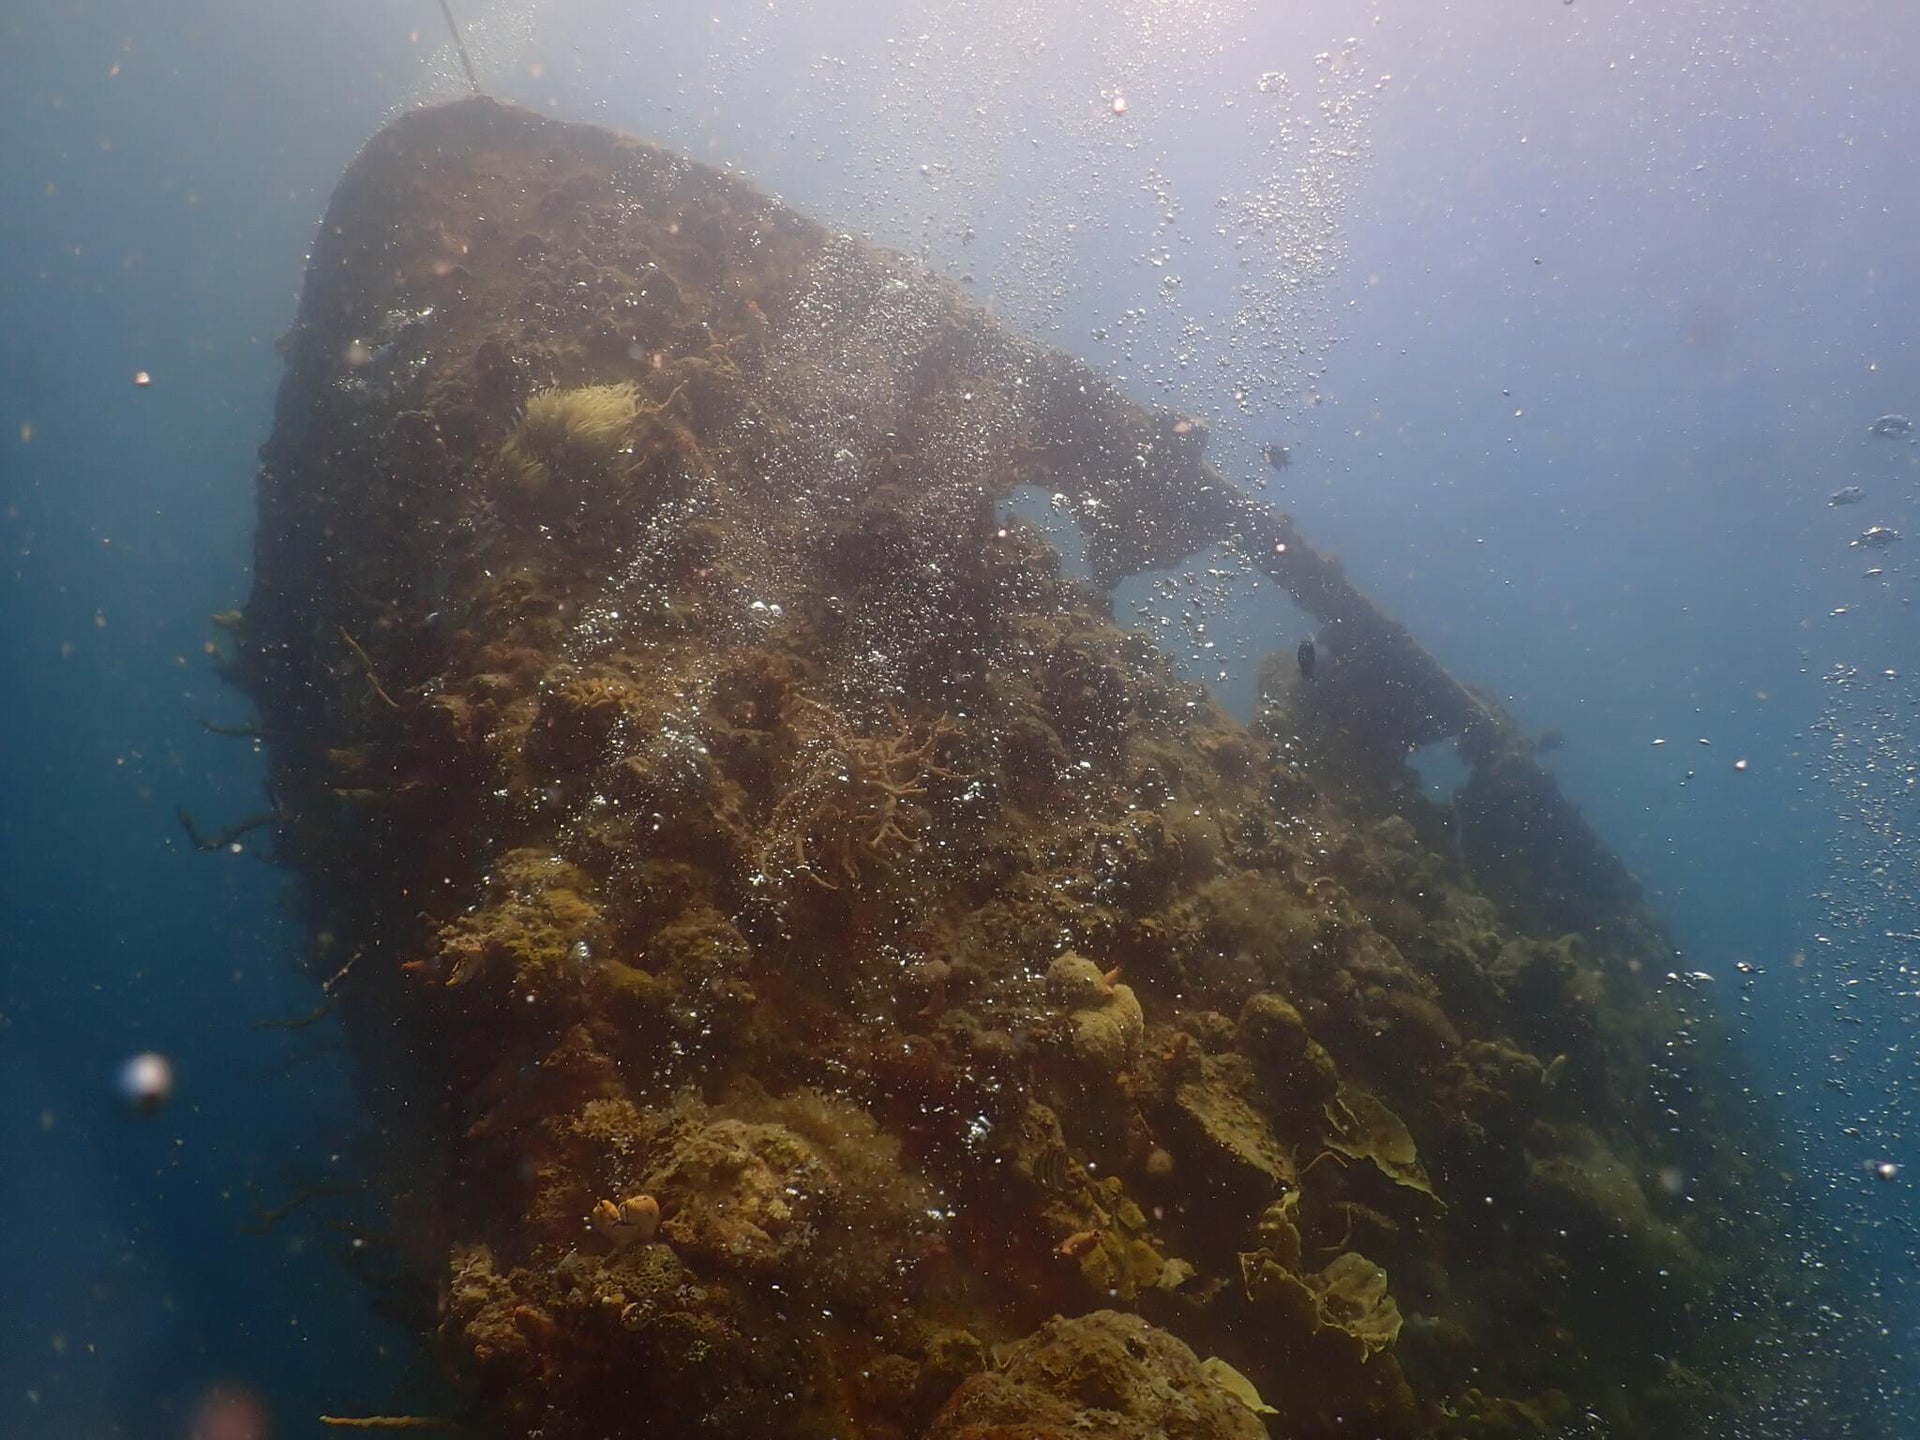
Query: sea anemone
x=568 y=434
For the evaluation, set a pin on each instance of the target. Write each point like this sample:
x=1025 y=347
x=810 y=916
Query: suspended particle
x=146 y=1082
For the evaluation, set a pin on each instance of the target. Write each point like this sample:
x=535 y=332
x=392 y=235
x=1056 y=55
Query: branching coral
x=846 y=808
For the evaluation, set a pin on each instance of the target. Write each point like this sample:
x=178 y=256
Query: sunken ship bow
x=838 y=983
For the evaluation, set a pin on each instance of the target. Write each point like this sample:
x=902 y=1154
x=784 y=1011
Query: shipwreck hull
x=849 y=987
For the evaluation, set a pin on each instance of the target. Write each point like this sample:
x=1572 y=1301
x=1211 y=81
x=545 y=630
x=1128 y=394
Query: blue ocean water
x=1573 y=317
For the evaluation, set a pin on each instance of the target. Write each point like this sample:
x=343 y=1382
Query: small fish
x=1888 y=426
x=1052 y=1170
x=1307 y=659
x=1875 y=537
x=1847 y=495
x=1278 y=456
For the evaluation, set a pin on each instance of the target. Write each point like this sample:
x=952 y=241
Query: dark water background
x=1605 y=303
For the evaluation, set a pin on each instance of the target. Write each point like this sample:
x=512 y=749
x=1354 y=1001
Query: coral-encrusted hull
x=826 y=948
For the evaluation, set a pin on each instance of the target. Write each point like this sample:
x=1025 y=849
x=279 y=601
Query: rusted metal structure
x=841 y=983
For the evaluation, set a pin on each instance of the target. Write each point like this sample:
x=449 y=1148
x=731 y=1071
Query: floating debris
x=1887 y=427
x=1875 y=537
x=1847 y=495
